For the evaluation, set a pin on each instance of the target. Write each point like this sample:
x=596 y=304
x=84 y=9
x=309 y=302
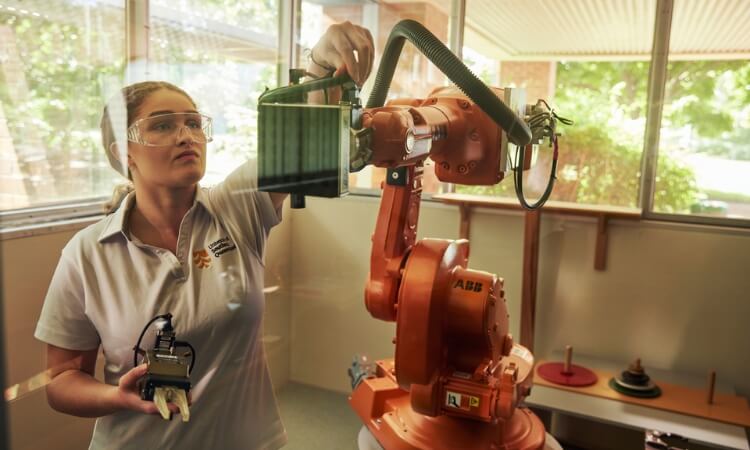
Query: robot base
x=386 y=411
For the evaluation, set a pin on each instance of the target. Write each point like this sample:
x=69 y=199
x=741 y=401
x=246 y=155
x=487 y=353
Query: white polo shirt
x=108 y=285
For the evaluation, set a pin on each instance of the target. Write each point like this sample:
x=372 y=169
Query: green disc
x=651 y=393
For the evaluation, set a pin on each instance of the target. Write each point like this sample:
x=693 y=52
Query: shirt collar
x=118 y=221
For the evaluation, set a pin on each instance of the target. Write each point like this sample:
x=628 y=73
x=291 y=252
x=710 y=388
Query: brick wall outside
x=336 y=14
x=537 y=77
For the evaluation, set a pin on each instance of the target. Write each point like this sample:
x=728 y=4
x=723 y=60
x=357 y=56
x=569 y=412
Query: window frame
x=656 y=89
x=136 y=19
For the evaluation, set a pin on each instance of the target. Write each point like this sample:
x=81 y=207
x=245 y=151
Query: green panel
x=300 y=149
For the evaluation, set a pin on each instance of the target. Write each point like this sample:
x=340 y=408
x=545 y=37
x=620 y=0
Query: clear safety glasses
x=164 y=129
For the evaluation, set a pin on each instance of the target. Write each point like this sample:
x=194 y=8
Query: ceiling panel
x=598 y=29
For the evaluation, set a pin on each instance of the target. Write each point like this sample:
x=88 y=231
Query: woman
x=174 y=247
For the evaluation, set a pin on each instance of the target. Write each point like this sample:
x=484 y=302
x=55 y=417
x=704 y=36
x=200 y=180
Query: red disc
x=578 y=376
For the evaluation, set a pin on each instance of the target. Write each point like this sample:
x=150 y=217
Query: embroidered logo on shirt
x=201 y=259
x=221 y=246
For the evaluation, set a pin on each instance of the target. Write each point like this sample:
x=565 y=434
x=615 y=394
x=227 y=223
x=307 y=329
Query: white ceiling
x=605 y=29
x=526 y=29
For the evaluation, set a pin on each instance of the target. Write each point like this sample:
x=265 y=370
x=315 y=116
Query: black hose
x=518 y=178
x=426 y=42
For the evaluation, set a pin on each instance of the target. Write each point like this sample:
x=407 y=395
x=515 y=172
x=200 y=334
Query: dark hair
x=118 y=115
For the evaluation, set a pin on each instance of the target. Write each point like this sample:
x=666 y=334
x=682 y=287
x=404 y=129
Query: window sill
x=58 y=226
x=615 y=212
x=603 y=214
x=47 y=219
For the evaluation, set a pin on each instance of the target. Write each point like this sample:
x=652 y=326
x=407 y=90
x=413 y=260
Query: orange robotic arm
x=465 y=145
x=452 y=322
x=461 y=139
x=457 y=377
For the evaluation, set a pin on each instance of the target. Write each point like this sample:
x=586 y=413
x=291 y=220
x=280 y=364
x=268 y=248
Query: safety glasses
x=165 y=129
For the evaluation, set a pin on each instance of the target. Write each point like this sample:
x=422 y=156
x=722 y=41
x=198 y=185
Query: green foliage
x=68 y=69
x=53 y=106
x=258 y=15
x=700 y=94
x=603 y=89
x=600 y=156
x=676 y=189
x=594 y=169
x=735 y=145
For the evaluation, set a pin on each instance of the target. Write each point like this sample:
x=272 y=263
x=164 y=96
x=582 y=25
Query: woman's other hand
x=74 y=390
x=344 y=47
x=127 y=394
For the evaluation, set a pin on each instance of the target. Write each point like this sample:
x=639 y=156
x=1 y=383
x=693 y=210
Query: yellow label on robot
x=474 y=402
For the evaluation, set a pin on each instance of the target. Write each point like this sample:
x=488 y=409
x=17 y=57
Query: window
x=224 y=54
x=59 y=62
x=415 y=75
x=594 y=72
x=703 y=168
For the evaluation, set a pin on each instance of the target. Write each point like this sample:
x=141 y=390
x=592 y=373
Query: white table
x=638 y=417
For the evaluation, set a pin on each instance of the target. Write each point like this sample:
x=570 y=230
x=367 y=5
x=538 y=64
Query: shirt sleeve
x=238 y=202
x=63 y=321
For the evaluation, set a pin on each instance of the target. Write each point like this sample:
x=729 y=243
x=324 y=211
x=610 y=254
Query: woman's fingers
x=345 y=52
x=361 y=42
x=146 y=407
x=131 y=377
x=348 y=46
x=150 y=407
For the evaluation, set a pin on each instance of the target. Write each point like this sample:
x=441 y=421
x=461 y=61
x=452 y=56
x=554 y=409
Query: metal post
x=458 y=14
x=4 y=428
x=456 y=45
x=530 y=274
x=137 y=36
x=289 y=32
x=656 y=82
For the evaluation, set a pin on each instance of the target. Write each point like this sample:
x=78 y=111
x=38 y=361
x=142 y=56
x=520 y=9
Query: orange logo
x=201 y=259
